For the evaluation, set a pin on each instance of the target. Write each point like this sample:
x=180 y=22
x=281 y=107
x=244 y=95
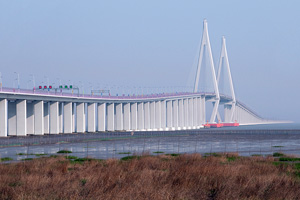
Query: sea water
x=201 y=142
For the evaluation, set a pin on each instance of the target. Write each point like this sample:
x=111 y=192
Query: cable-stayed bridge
x=37 y=112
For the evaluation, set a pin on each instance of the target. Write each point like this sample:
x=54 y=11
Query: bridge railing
x=70 y=94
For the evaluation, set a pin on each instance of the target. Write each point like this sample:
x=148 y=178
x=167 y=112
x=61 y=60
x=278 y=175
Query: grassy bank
x=170 y=176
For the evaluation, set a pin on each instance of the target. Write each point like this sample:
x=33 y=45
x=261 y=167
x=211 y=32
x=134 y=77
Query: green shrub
x=289 y=159
x=173 y=154
x=40 y=154
x=277 y=154
x=158 y=152
x=129 y=158
x=212 y=154
x=15 y=184
x=5 y=159
x=83 y=182
x=27 y=159
x=125 y=153
x=297 y=166
x=232 y=158
x=71 y=157
x=21 y=154
x=64 y=151
x=82 y=160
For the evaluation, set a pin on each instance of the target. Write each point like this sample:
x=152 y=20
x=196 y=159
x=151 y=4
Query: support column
x=141 y=119
x=54 y=117
x=226 y=112
x=101 y=117
x=186 y=113
x=158 y=115
x=110 y=117
x=203 y=110
x=21 y=118
x=68 y=117
x=12 y=118
x=199 y=123
x=80 y=121
x=119 y=116
x=39 y=118
x=147 y=115
x=152 y=115
x=133 y=115
x=175 y=115
x=30 y=117
x=180 y=114
x=73 y=118
x=91 y=109
x=191 y=114
x=163 y=115
x=126 y=116
x=46 y=118
x=195 y=113
x=169 y=115
x=3 y=118
x=60 y=117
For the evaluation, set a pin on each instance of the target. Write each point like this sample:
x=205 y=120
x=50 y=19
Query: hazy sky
x=155 y=43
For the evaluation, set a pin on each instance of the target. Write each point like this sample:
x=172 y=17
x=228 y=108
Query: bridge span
x=37 y=112
x=28 y=112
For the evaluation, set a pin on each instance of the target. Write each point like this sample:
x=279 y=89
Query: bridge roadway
x=37 y=112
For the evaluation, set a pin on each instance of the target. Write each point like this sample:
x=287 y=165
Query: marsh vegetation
x=172 y=176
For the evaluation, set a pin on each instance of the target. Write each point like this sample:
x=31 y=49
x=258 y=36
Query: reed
x=187 y=176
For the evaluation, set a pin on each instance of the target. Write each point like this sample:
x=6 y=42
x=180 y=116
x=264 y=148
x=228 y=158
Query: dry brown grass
x=150 y=177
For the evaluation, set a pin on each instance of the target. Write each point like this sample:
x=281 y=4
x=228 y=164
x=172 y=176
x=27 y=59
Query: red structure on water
x=219 y=125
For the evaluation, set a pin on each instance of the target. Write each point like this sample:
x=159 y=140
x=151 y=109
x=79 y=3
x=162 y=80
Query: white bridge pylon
x=205 y=46
x=229 y=107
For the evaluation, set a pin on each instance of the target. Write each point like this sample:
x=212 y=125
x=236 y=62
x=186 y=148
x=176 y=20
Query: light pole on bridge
x=18 y=79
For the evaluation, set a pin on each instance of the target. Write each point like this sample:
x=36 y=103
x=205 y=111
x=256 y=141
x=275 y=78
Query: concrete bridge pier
x=141 y=116
x=147 y=115
x=30 y=117
x=119 y=117
x=3 y=118
x=195 y=113
x=46 y=118
x=126 y=116
x=39 y=118
x=164 y=115
x=170 y=115
x=111 y=117
x=12 y=118
x=68 y=117
x=190 y=113
x=101 y=117
x=21 y=118
x=91 y=109
x=134 y=116
x=180 y=114
x=80 y=117
x=54 y=118
x=152 y=115
x=175 y=115
x=186 y=113
x=60 y=116
x=158 y=115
